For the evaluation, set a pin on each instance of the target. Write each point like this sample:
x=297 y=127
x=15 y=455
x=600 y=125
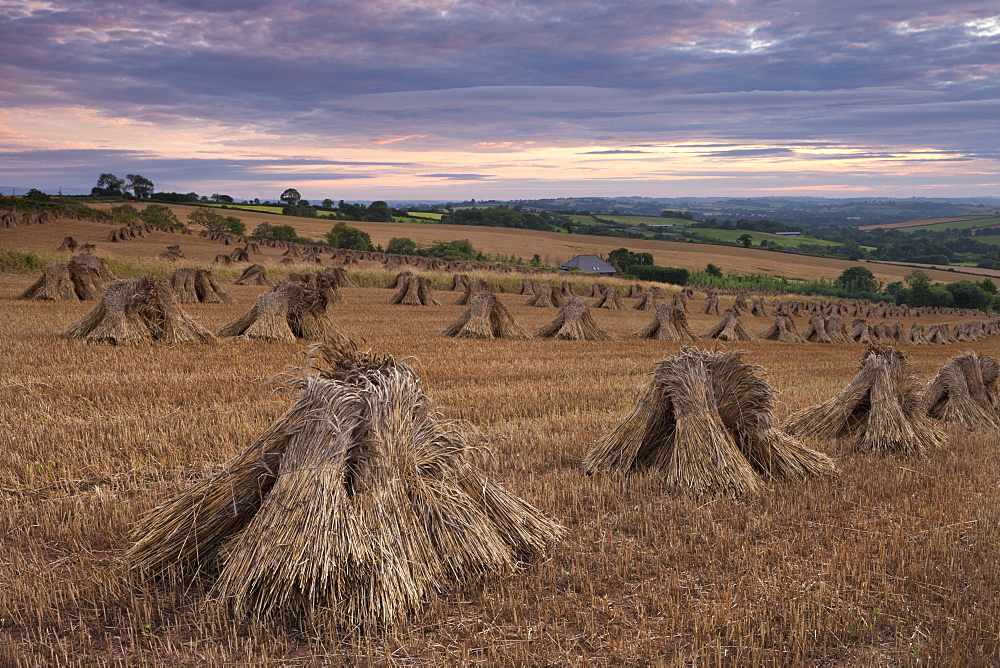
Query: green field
x=425 y=214
x=629 y=220
x=991 y=240
x=956 y=225
x=241 y=207
x=276 y=210
x=733 y=235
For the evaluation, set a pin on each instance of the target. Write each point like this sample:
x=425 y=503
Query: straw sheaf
x=574 y=323
x=609 y=299
x=706 y=424
x=83 y=277
x=136 y=310
x=964 y=392
x=255 y=274
x=415 y=291
x=783 y=329
x=486 y=318
x=289 y=311
x=357 y=504
x=729 y=328
x=546 y=296
x=668 y=324
x=192 y=285
x=647 y=302
x=878 y=411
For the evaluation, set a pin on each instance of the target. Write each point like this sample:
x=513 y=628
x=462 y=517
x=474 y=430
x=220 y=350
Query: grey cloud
x=712 y=74
x=80 y=166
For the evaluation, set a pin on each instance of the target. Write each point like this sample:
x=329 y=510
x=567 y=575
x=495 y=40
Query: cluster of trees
x=640 y=266
x=672 y=275
x=683 y=215
x=753 y=225
x=109 y=185
x=216 y=222
x=376 y=212
x=498 y=218
x=343 y=235
x=916 y=289
x=180 y=198
x=459 y=249
x=920 y=246
x=277 y=232
x=154 y=214
x=622 y=258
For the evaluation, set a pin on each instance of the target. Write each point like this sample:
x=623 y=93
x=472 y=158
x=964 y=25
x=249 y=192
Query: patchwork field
x=892 y=562
x=939 y=224
x=553 y=247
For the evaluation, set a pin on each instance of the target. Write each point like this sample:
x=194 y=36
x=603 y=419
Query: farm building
x=590 y=264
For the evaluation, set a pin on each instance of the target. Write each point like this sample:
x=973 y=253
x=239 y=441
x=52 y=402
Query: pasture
x=939 y=224
x=891 y=562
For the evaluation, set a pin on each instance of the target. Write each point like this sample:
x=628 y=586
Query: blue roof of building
x=590 y=264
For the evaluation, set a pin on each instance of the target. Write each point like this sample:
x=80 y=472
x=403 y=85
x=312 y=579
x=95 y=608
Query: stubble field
x=892 y=562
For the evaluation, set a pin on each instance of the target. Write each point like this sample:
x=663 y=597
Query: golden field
x=553 y=247
x=892 y=562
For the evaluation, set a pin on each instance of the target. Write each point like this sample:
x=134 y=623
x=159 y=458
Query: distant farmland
x=962 y=222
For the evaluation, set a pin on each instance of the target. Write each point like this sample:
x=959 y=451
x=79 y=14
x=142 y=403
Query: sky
x=506 y=99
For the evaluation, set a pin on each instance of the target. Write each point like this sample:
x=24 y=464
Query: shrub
x=672 y=275
x=20 y=262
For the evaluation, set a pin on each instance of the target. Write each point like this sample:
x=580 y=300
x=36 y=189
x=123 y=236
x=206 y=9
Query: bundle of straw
x=878 y=411
x=668 y=324
x=415 y=291
x=352 y=508
x=729 y=328
x=783 y=329
x=83 y=277
x=546 y=297
x=486 y=318
x=574 y=323
x=255 y=274
x=291 y=310
x=609 y=299
x=817 y=330
x=192 y=286
x=135 y=310
x=964 y=392
x=706 y=425
x=916 y=335
x=647 y=302
x=473 y=288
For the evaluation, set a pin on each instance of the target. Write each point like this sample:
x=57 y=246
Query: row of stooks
x=145 y=308
x=312 y=255
x=15 y=218
x=355 y=519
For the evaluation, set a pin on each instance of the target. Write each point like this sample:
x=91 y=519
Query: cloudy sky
x=452 y=99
